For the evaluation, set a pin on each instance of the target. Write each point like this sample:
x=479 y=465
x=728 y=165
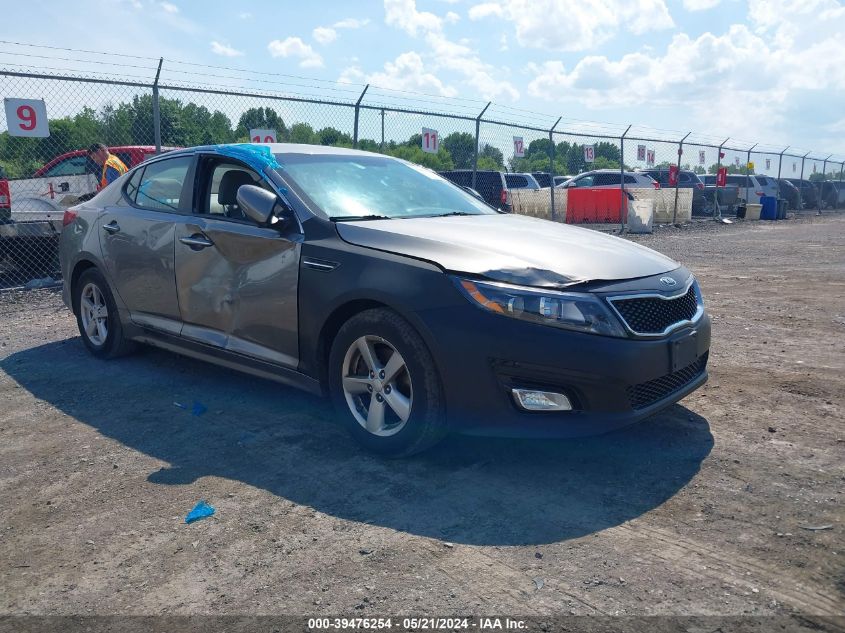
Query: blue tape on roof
x=256 y=156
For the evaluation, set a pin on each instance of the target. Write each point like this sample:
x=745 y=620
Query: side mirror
x=256 y=203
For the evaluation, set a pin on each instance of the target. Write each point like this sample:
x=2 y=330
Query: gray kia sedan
x=415 y=306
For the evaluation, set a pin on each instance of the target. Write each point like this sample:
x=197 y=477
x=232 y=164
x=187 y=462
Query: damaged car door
x=236 y=279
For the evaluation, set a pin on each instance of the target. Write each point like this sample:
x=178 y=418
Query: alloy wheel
x=95 y=314
x=377 y=385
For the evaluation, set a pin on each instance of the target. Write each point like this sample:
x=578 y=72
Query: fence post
x=680 y=152
x=824 y=179
x=381 y=147
x=357 y=110
x=780 y=164
x=477 y=132
x=718 y=167
x=156 y=110
x=748 y=175
x=622 y=180
x=801 y=188
x=552 y=168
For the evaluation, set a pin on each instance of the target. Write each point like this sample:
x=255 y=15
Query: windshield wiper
x=355 y=218
x=444 y=215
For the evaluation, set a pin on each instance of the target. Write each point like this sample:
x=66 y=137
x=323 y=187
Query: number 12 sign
x=430 y=141
x=518 y=147
x=27 y=117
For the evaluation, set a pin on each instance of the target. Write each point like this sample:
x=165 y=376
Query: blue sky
x=757 y=70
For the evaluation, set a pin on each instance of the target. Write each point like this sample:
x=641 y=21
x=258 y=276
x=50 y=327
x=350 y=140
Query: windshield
x=371 y=187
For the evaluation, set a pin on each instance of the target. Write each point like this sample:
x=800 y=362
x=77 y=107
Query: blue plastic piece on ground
x=200 y=511
x=199 y=408
x=258 y=157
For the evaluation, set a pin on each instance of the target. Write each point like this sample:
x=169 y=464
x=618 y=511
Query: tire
x=104 y=339
x=413 y=389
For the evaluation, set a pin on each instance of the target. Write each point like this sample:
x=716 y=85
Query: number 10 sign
x=27 y=117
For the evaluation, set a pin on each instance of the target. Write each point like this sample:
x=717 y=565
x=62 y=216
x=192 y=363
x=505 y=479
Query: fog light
x=533 y=400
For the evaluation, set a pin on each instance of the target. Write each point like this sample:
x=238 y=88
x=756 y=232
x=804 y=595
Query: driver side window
x=586 y=181
x=221 y=189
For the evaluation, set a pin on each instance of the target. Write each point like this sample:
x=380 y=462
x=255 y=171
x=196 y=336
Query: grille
x=652 y=315
x=647 y=393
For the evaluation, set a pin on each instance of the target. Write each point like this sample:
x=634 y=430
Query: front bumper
x=612 y=382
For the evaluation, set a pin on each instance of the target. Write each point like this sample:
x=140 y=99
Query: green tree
x=439 y=161
x=461 y=147
x=302 y=133
x=492 y=156
x=261 y=119
x=334 y=137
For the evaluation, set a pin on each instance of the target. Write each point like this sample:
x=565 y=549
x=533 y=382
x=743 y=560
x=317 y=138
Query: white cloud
x=403 y=14
x=225 y=50
x=169 y=7
x=296 y=48
x=452 y=17
x=583 y=25
x=406 y=72
x=246 y=15
x=700 y=5
x=756 y=80
x=461 y=59
x=351 y=23
x=324 y=34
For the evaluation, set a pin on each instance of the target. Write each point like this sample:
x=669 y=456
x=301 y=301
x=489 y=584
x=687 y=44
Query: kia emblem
x=668 y=281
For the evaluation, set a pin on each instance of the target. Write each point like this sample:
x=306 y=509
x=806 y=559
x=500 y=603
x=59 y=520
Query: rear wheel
x=385 y=386
x=97 y=317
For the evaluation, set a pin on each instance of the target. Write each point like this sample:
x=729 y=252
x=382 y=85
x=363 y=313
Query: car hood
x=510 y=248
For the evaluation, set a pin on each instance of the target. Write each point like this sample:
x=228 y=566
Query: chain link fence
x=511 y=162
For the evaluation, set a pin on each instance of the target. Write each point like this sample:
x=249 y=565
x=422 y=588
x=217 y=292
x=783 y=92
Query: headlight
x=568 y=310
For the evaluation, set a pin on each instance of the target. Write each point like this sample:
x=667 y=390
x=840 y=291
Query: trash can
x=768 y=208
x=783 y=204
x=752 y=211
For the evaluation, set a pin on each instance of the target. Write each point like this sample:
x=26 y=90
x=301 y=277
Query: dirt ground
x=705 y=509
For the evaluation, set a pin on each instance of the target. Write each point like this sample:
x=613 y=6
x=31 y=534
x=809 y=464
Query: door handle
x=111 y=227
x=196 y=241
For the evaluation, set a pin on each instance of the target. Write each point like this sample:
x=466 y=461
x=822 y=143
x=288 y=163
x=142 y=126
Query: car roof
x=287 y=148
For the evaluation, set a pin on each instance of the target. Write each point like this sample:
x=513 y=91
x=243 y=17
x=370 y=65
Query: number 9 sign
x=27 y=117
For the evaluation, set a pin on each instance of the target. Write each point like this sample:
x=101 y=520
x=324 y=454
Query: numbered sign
x=794 y=167
x=650 y=157
x=430 y=140
x=736 y=160
x=722 y=177
x=27 y=117
x=589 y=153
x=768 y=163
x=673 y=175
x=518 y=147
x=750 y=166
x=262 y=136
x=701 y=157
x=640 y=152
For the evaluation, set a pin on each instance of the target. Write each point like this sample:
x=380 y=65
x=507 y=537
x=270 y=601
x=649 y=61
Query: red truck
x=31 y=209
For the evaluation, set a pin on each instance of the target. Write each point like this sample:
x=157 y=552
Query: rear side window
x=162 y=184
x=764 y=182
x=74 y=166
x=630 y=180
x=459 y=177
x=516 y=182
x=605 y=180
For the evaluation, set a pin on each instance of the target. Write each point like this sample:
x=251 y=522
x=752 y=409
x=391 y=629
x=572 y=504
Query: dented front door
x=237 y=288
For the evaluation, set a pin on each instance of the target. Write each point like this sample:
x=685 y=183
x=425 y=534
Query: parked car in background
x=521 y=181
x=754 y=186
x=728 y=196
x=416 y=308
x=543 y=179
x=491 y=185
x=559 y=180
x=611 y=178
x=809 y=192
x=788 y=192
x=686 y=180
x=832 y=194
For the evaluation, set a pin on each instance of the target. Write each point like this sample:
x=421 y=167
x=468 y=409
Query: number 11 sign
x=430 y=141
x=27 y=117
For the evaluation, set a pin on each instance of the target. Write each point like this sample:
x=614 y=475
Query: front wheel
x=385 y=386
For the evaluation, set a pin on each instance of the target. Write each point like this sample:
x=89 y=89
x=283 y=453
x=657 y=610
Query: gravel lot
x=703 y=509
